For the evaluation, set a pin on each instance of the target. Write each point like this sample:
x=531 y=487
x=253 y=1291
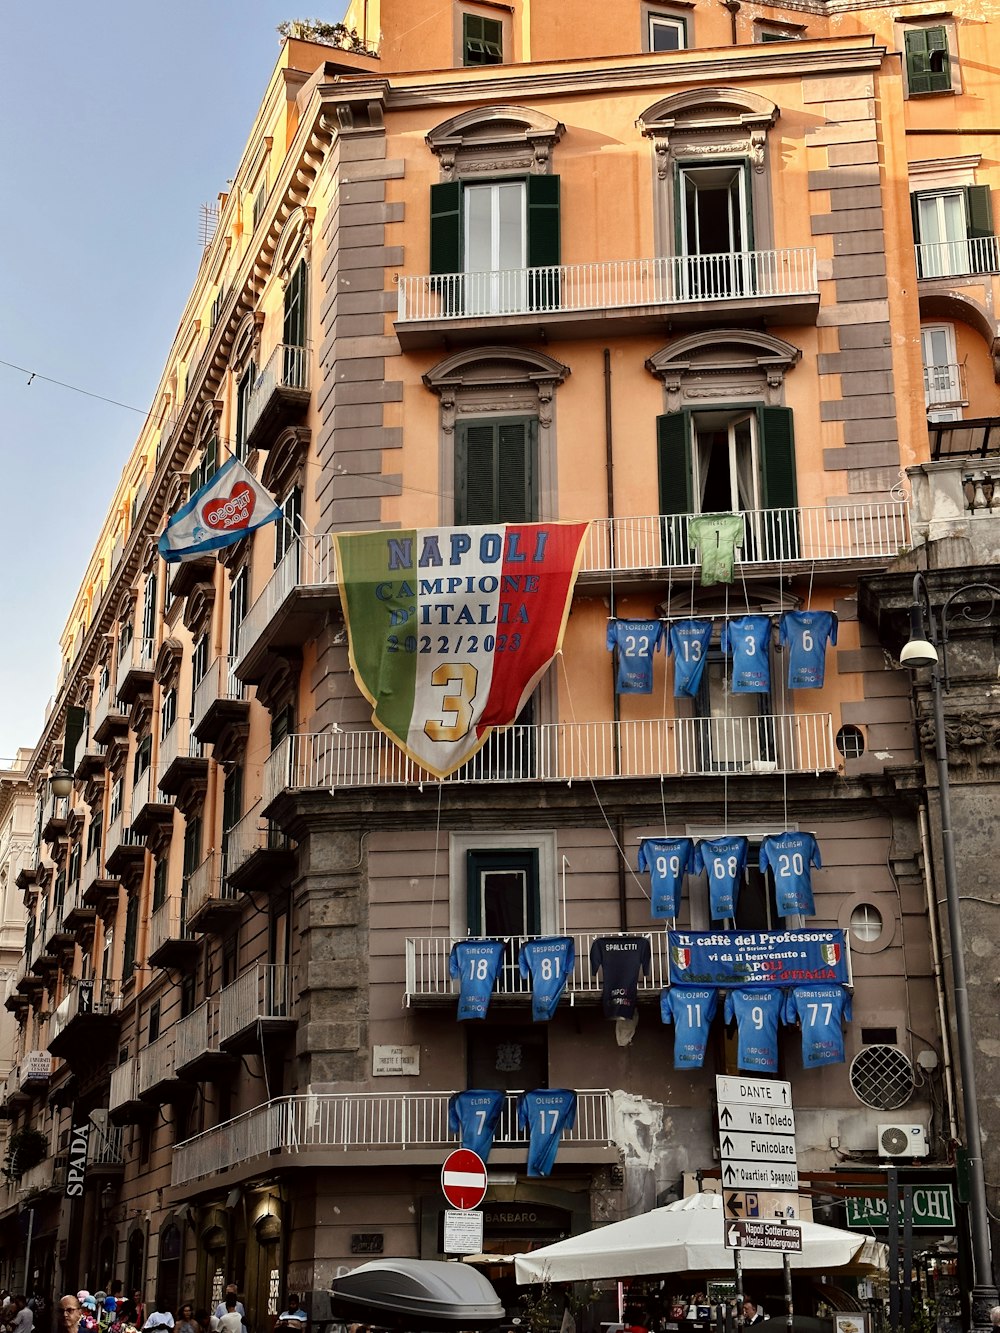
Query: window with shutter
x=954 y=231
x=294 y=328
x=482 y=40
x=928 y=65
x=495 y=469
x=288 y=526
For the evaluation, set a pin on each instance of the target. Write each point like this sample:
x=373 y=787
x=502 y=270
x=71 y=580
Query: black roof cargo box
x=416 y=1294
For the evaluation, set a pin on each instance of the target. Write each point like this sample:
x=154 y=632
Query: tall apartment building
x=630 y=264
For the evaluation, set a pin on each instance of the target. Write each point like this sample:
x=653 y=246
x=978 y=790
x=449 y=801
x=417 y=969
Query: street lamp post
x=921 y=650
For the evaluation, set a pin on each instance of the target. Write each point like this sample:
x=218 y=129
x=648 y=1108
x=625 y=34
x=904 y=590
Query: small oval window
x=866 y=923
x=851 y=742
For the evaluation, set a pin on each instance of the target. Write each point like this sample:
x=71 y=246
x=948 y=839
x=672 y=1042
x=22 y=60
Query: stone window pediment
x=724 y=365
x=495 y=379
x=493 y=139
x=708 y=121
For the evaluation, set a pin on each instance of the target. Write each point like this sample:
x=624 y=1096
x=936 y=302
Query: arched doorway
x=168 y=1268
x=135 y=1263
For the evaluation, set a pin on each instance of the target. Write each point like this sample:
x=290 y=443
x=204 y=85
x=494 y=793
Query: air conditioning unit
x=902 y=1141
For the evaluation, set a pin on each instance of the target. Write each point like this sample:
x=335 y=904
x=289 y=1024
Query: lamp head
x=918 y=651
x=61 y=783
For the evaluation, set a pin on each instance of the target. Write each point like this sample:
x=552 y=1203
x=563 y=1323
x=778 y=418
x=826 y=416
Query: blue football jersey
x=636 y=641
x=805 y=634
x=758 y=1010
x=545 y=1113
x=548 y=963
x=790 y=856
x=822 y=1012
x=475 y=1115
x=724 y=860
x=620 y=959
x=476 y=964
x=687 y=643
x=748 y=639
x=668 y=860
x=691 y=1010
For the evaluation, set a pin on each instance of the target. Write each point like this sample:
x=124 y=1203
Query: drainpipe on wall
x=949 y=1087
x=734 y=8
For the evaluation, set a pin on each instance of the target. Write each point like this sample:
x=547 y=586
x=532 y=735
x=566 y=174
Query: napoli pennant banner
x=226 y=508
x=450 y=629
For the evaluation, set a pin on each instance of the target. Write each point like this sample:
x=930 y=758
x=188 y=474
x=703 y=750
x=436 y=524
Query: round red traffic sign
x=463 y=1179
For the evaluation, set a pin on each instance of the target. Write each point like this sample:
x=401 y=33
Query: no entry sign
x=463 y=1179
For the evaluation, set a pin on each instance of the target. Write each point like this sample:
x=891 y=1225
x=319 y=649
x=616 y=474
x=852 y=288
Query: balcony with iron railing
x=197 y=1053
x=109 y=718
x=257 y=853
x=639 y=549
x=125 y=849
x=182 y=758
x=38 y=1179
x=630 y=295
x=152 y=809
x=134 y=673
x=279 y=395
x=54 y=819
x=258 y=1004
x=568 y=751
x=220 y=701
x=90 y=760
x=171 y=943
x=106 y=1148
x=98 y=890
x=157 y=1078
x=77 y=915
x=965 y=259
x=211 y=901
x=397 y=1127
x=945 y=385
x=124 y=1106
x=86 y=1020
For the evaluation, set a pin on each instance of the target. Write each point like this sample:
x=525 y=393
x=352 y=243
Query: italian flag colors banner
x=450 y=629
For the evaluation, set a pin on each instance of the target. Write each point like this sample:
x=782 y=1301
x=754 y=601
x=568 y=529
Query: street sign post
x=463 y=1232
x=761 y=1203
x=463 y=1179
x=756 y=1143
x=760 y=1176
x=763 y=1235
x=752 y=1118
x=757 y=1147
x=752 y=1091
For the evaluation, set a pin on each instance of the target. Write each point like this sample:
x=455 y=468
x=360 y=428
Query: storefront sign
x=933 y=1209
x=395 y=1060
x=36 y=1064
x=757 y=957
x=76 y=1171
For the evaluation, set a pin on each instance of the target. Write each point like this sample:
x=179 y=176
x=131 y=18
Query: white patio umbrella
x=686 y=1236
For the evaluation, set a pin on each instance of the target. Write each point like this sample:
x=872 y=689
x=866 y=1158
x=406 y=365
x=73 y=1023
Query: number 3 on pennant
x=465 y=676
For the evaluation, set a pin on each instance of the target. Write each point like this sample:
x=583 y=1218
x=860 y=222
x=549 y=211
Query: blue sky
x=120 y=120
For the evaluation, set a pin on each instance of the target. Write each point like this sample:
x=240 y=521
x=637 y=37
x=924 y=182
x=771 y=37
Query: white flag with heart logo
x=226 y=508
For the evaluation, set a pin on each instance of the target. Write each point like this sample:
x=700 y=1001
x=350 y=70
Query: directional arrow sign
x=755 y=1118
x=752 y=1091
x=762 y=1203
x=757 y=1147
x=763 y=1235
x=760 y=1176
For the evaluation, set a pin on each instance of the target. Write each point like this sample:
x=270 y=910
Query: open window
x=928 y=60
x=953 y=229
x=714 y=220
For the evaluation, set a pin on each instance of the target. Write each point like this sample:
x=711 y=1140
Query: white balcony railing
x=167 y=923
x=89 y=996
x=616 y=285
x=196 y=1034
x=262 y=992
x=360 y=1121
x=106 y=704
x=206 y=884
x=217 y=683
x=93 y=869
x=139 y=655
x=866 y=532
x=251 y=834
x=568 y=751
x=37 y=1178
x=178 y=743
x=427 y=973
x=944 y=384
x=123 y=1085
x=957 y=259
x=157 y=1063
x=287 y=368
x=106 y=1146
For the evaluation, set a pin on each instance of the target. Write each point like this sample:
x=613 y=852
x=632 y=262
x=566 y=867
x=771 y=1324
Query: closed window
x=496 y=245
x=928 y=64
x=143 y=756
x=666 y=33
x=495 y=468
x=482 y=40
x=954 y=232
x=208 y=466
x=289 y=525
x=294 y=328
x=944 y=378
x=244 y=388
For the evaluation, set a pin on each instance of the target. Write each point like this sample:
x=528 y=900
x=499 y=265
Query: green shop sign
x=933 y=1209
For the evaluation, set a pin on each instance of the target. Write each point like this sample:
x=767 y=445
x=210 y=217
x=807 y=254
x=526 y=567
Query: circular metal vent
x=882 y=1077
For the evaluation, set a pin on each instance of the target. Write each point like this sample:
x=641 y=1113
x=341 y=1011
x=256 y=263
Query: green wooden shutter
x=446 y=227
x=780 y=533
x=475 y=472
x=76 y=719
x=515 y=472
x=673 y=446
x=495 y=471
x=928 y=69
x=979 y=209
x=544 y=251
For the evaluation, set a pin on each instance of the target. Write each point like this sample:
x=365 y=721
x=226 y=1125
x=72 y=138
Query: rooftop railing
x=362 y=1121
